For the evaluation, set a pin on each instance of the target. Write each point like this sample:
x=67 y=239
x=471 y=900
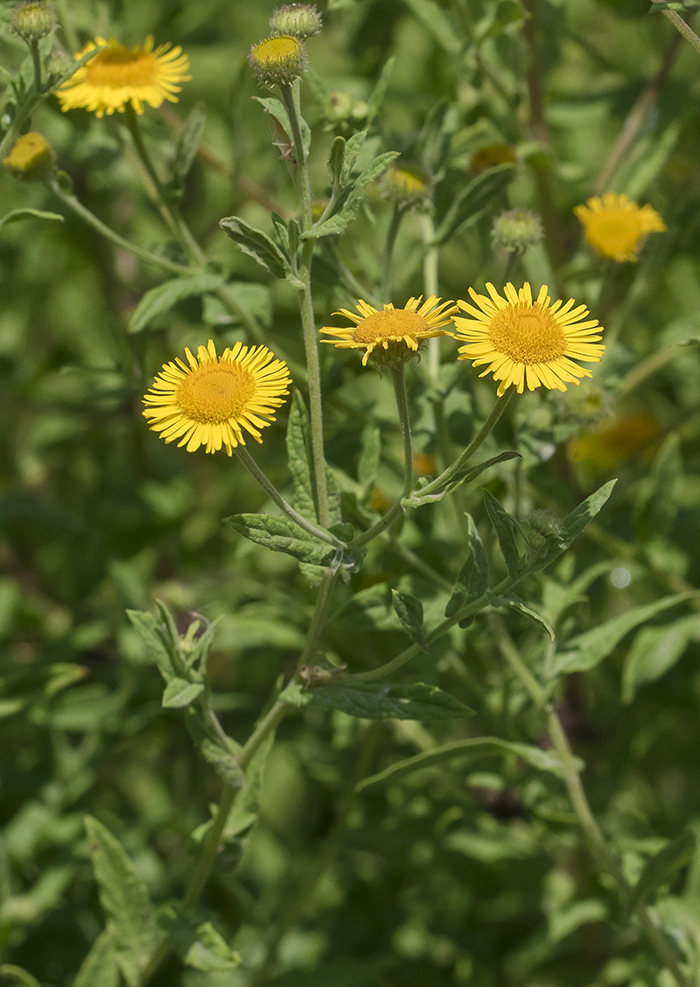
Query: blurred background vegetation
x=448 y=877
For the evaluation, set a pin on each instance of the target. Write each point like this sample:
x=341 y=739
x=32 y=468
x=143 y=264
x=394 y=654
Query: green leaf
x=574 y=523
x=591 y=647
x=409 y=610
x=369 y=701
x=349 y=200
x=277 y=110
x=159 y=646
x=300 y=457
x=436 y=22
x=474 y=200
x=662 y=867
x=246 y=805
x=180 y=692
x=125 y=900
x=376 y=97
x=431 y=491
x=257 y=245
x=188 y=142
x=210 y=952
x=474 y=747
x=353 y=146
x=336 y=160
x=473 y=578
x=282 y=535
x=100 y=967
x=368 y=465
x=18 y=975
x=17 y=215
x=161 y=299
x=223 y=761
x=246 y=299
x=506 y=529
x=655 y=650
x=514 y=602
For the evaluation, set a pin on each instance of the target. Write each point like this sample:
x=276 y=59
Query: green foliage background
x=473 y=872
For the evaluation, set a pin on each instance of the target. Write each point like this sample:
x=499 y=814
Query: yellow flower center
x=215 y=393
x=616 y=231
x=390 y=323
x=277 y=50
x=118 y=67
x=527 y=334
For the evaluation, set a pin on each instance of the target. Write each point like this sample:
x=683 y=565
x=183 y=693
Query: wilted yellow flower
x=617 y=228
x=213 y=399
x=525 y=342
x=118 y=75
x=395 y=333
x=31 y=158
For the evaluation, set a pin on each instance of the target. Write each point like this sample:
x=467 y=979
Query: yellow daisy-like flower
x=526 y=342
x=118 y=75
x=213 y=399
x=617 y=228
x=396 y=331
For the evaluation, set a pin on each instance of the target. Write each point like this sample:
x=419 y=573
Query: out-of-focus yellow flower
x=617 y=228
x=31 y=158
x=492 y=155
x=118 y=75
x=423 y=463
x=613 y=443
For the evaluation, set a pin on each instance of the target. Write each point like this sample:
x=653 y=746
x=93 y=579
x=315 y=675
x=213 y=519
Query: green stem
x=80 y=210
x=398 y=377
x=291 y=100
x=36 y=62
x=169 y=212
x=485 y=430
x=391 y=235
x=683 y=28
x=319 y=618
x=537 y=692
x=24 y=111
x=247 y=460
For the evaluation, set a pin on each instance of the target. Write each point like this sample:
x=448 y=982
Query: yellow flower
x=278 y=60
x=614 y=442
x=118 y=75
x=210 y=401
x=526 y=342
x=617 y=228
x=31 y=158
x=397 y=331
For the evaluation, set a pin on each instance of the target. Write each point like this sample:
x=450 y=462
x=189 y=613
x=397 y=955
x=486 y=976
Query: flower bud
x=278 y=60
x=492 y=155
x=517 y=229
x=405 y=186
x=345 y=115
x=31 y=159
x=301 y=20
x=33 y=20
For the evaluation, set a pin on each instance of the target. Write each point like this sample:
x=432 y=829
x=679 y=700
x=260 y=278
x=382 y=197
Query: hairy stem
x=398 y=377
x=319 y=618
x=683 y=28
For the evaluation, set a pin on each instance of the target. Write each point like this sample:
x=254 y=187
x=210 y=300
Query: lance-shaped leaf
x=473 y=200
x=256 y=244
x=299 y=456
x=370 y=453
x=223 y=760
x=376 y=97
x=436 y=22
x=100 y=967
x=369 y=701
x=506 y=530
x=278 y=110
x=662 y=868
x=409 y=610
x=125 y=900
x=161 y=299
x=431 y=491
x=282 y=535
x=349 y=200
x=474 y=747
x=336 y=160
x=654 y=651
x=514 y=602
x=180 y=693
x=575 y=522
x=210 y=951
x=473 y=578
x=17 y=215
x=588 y=649
x=353 y=146
x=188 y=142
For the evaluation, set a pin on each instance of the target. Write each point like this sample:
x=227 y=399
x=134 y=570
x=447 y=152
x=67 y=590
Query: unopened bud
x=33 y=20
x=301 y=20
x=31 y=159
x=278 y=60
x=542 y=530
x=517 y=229
x=405 y=186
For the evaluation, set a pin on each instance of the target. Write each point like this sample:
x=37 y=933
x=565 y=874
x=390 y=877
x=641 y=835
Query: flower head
x=617 y=228
x=33 y=20
x=516 y=229
x=391 y=334
x=31 y=158
x=300 y=19
x=526 y=342
x=278 y=60
x=117 y=76
x=213 y=399
x=405 y=186
x=492 y=155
